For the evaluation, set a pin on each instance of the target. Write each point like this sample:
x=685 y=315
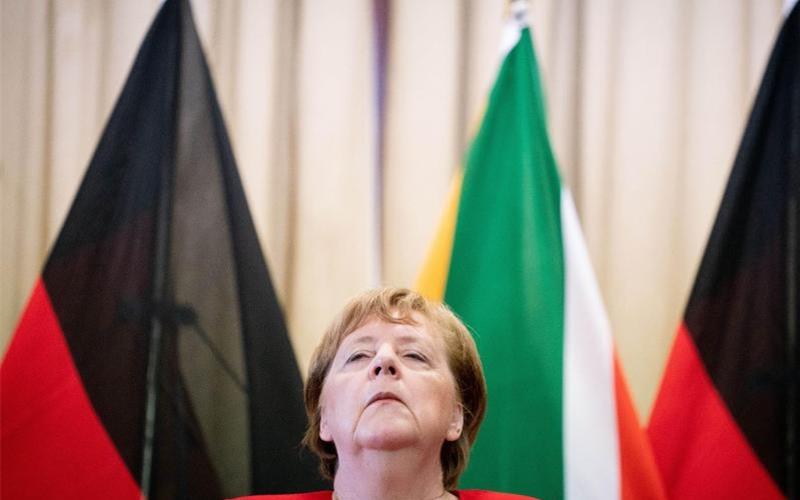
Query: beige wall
x=647 y=100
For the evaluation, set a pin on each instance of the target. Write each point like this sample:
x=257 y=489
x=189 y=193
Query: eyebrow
x=410 y=339
x=365 y=339
x=402 y=339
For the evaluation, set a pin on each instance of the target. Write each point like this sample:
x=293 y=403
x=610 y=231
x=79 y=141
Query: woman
x=395 y=396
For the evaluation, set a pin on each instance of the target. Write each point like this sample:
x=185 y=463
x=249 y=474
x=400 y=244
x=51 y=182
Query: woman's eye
x=356 y=356
x=415 y=356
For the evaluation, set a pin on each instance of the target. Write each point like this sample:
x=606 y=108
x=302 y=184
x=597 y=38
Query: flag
x=152 y=357
x=719 y=425
x=510 y=260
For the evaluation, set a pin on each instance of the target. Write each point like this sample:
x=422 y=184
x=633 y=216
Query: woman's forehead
x=406 y=332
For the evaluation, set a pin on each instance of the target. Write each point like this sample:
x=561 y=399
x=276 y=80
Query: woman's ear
x=456 y=423
x=324 y=430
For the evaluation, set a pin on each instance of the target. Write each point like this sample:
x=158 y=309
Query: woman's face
x=390 y=387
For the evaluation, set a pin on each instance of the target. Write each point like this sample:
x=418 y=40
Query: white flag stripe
x=591 y=435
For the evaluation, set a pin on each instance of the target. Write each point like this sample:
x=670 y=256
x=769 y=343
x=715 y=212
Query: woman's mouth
x=383 y=397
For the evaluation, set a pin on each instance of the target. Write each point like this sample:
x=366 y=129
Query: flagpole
x=792 y=371
x=157 y=318
x=792 y=249
x=156 y=332
x=160 y=283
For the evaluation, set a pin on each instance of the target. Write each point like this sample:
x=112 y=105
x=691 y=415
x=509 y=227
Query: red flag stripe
x=52 y=440
x=640 y=478
x=698 y=447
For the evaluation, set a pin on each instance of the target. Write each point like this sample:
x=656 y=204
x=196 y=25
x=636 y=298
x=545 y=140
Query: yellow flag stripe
x=433 y=276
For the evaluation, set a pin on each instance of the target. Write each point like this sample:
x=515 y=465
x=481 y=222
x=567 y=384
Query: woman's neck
x=389 y=475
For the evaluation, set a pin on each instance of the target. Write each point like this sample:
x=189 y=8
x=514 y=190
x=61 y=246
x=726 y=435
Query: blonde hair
x=400 y=305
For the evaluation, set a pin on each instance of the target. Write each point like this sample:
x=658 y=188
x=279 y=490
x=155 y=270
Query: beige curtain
x=647 y=101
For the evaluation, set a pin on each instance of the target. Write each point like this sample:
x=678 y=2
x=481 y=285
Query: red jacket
x=328 y=495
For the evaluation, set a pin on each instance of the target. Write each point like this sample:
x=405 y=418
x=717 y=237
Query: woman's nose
x=384 y=363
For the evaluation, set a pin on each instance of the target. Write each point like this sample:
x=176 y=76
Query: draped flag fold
x=510 y=260
x=157 y=272
x=728 y=402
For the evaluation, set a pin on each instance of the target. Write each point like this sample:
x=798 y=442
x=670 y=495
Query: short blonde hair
x=400 y=305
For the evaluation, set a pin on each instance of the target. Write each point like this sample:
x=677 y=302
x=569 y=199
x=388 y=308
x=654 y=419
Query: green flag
x=511 y=261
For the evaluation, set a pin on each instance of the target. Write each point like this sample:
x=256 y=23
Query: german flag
x=152 y=358
x=725 y=421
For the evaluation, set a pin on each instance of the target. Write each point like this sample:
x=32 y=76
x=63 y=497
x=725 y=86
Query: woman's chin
x=388 y=436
